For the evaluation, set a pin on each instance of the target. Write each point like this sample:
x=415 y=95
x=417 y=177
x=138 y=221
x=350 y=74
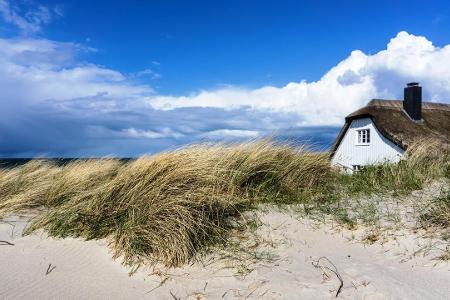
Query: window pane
x=363 y=136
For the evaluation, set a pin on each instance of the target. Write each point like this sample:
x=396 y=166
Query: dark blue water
x=14 y=162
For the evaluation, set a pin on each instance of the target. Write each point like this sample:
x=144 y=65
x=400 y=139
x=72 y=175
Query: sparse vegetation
x=169 y=207
x=425 y=161
x=437 y=214
x=362 y=197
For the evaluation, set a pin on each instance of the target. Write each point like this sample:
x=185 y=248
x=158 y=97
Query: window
x=363 y=137
x=356 y=168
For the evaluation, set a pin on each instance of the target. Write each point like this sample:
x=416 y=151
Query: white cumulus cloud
x=344 y=88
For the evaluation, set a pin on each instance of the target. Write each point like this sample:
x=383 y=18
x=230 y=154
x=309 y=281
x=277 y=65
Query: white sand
x=86 y=270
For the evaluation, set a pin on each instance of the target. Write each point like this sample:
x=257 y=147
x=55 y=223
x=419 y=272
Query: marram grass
x=168 y=207
x=424 y=161
x=163 y=208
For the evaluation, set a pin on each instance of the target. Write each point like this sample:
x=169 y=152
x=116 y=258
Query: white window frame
x=363 y=137
x=356 y=168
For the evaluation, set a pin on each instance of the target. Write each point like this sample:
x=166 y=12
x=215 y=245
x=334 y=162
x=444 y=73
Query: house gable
x=350 y=153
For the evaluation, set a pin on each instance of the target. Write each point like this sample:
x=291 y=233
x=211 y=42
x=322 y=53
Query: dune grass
x=425 y=161
x=25 y=187
x=162 y=208
x=374 y=197
x=437 y=214
x=169 y=207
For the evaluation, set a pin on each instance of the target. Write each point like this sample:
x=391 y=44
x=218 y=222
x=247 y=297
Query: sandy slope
x=86 y=270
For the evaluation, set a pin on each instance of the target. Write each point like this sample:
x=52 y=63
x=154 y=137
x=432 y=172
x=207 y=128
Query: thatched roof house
x=383 y=129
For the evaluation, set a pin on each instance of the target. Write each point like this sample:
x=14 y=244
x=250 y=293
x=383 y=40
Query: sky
x=126 y=78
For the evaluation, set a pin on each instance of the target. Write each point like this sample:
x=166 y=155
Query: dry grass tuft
x=25 y=187
x=437 y=214
x=167 y=207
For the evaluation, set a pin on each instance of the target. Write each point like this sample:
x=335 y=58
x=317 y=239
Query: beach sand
x=38 y=267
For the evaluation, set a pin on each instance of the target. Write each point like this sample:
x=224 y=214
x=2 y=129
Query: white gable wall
x=379 y=150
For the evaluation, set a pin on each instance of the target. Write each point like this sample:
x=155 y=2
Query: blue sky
x=91 y=78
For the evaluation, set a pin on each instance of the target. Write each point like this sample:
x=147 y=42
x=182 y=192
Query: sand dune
x=85 y=269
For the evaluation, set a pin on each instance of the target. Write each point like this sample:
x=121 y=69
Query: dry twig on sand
x=159 y=285
x=317 y=264
x=49 y=269
x=6 y=243
x=173 y=296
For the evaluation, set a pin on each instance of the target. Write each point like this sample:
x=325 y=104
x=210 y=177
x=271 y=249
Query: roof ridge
x=389 y=103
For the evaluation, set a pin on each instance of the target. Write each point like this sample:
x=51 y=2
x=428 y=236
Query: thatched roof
x=395 y=124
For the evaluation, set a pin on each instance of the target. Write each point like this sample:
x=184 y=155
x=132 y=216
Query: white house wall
x=379 y=150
